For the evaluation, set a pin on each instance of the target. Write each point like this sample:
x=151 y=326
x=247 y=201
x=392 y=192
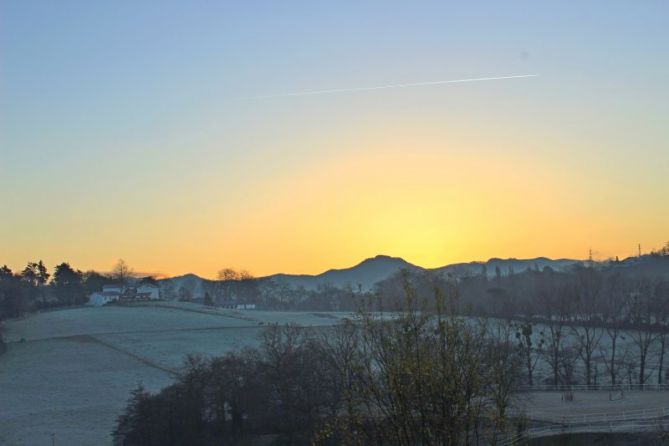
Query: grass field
x=68 y=373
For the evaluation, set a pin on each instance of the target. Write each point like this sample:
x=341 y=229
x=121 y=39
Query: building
x=99 y=299
x=116 y=289
x=147 y=291
x=124 y=293
x=232 y=305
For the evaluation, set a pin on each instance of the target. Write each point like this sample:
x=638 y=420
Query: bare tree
x=555 y=311
x=504 y=365
x=586 y=320
x=530 y=350
x=614 y=308
x=228 y=274
x=661 y=308
x=230 y=277
x=641 y=331
x=121 y=271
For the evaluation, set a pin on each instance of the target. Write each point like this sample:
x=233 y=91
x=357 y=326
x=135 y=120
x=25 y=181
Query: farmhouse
x=124 y=293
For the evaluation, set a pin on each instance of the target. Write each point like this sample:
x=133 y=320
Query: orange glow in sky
x=181 y=152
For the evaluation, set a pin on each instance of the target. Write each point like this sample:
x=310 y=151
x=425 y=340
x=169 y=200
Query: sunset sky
x=156 y=131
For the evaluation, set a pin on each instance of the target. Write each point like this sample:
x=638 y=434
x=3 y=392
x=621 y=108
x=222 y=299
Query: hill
x=506 y=266
x=364 y=275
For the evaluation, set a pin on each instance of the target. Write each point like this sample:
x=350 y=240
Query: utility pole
x=639 y=250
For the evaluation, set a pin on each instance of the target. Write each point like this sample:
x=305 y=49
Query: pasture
x=68 y=373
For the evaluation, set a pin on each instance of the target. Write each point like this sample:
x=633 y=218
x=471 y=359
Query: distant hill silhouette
x=647 y=265
x=365 y=274
x=369 y=272
x=506 y=266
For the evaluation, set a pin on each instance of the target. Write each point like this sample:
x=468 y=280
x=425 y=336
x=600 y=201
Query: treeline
x=586 y=325
x=241 y=287
x=419 y=377
x=324 y=298
x=35 y=287
x=493 y=293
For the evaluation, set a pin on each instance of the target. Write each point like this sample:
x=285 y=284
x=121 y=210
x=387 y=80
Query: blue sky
x=152 y=109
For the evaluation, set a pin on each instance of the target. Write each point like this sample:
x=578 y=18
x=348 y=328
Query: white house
x=232 y=305
x=148 y=291
x=103 y=298
x=112 y=293
x=109 y=293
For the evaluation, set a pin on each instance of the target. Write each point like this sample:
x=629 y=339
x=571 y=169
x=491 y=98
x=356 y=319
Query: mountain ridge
x=370 y=271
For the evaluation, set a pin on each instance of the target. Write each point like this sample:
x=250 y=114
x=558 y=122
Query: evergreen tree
x=6 y=273
x=67 y=284
x=30 y=273
x=94 y=281
x=42 y=276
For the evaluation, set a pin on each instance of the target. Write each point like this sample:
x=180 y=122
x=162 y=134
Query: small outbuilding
x=103 y=298
x=233 y=305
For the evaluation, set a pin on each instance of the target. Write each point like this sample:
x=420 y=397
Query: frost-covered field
x=69 y=372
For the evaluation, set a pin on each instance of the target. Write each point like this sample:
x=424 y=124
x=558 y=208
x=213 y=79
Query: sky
x=166 y=133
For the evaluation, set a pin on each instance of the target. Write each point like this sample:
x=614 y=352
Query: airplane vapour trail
x=384 y=87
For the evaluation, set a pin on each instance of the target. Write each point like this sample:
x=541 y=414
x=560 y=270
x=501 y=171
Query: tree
x=663 y=252
x=208 y=301
x=67 y=284
x=121 y=271
x=614 y=308
x=94 y=281
x=42 y=276
x=586 y=323
x=30 y=273
x=423 y=372
x=13 y=299
x=228 y=274
x=133 y=425
x=35 y=273
x=149 y=280
x=6 y=273
x=640 y=318
x=529 y=351
x=661 y=310
x=551 y=293
x=242 y=281
x=503 y=363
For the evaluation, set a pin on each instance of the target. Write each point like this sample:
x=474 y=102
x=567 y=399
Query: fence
x=594 y=388
x=643 y=420
x=631 y=426
x=603 y=417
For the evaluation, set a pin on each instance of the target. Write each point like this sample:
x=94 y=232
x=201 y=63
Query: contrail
x=384 y=87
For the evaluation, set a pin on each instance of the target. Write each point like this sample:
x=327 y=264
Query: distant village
x=117 y=293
